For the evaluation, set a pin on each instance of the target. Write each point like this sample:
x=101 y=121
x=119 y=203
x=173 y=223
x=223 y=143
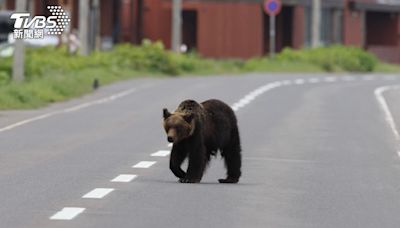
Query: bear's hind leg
x=233 y=160
x=233 y=164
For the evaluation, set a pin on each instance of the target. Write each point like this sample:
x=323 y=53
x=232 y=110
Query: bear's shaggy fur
x=198 y=131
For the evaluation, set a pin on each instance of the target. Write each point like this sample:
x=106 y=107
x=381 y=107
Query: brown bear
x=198 y=131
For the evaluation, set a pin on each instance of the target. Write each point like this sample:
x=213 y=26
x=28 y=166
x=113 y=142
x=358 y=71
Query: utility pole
x=176 y=25
x=2 y=4
x=97 y=24
x=84 y=27
x=19 y=51
x=316 y=23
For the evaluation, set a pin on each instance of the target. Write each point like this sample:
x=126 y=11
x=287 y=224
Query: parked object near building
x=6 y=26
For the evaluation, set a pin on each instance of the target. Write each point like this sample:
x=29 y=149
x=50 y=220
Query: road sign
x=272 y=7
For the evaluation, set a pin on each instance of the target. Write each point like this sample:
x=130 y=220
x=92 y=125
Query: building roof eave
x=379 y=7
x=325 y=3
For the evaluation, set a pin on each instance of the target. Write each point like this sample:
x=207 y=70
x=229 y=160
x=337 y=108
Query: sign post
x=272 y=8
x=272 y=36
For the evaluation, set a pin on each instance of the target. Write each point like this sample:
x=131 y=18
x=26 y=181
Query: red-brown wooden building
x=239 y=28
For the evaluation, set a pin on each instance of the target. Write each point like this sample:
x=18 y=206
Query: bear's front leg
x=196 y=167
x=175 y=162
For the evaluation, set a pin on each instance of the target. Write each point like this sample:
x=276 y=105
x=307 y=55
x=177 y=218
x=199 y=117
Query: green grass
x=58 y=87
x=267 y=65
x=387 y=68
x=52 y=75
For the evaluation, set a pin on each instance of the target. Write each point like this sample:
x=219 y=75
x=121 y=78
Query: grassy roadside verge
x=52 y=75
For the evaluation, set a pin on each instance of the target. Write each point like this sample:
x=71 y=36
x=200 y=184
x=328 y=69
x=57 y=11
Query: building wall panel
x=157 y=21
x=230 y=30
x=298 y=27
x=353 y=28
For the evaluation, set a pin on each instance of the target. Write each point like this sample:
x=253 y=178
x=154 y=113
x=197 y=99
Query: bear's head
x=178 y=125
x=189 y=106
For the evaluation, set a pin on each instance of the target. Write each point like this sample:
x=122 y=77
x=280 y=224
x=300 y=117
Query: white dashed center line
x=124 y=178
x=97 y=193
x=299 y=81
x=313 y=80
x=368 y=78
x=160 y=153
x=389 y=78
x=286 y=82
x=348 y=78
x=255 y=93
x=144 y=164
x=67 y=213
x=330 y=79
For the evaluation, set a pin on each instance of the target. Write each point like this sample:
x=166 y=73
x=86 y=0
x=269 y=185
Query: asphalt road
x=318 y=151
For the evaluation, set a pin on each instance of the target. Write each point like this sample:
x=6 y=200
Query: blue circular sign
x=272 y=7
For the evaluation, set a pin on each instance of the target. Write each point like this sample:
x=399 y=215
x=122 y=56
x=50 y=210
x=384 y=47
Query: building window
x=331 y=31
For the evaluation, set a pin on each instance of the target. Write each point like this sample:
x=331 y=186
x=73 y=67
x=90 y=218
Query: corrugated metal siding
x=353 y=23
x=298 y=27
x=230 y=30
x=157 y=21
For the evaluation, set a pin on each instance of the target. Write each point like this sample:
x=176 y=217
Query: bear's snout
x=170 y=139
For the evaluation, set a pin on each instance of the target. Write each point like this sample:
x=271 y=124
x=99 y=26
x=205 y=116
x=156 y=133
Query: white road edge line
x=97 y=193
x=125 y=178
x=161 y=153
x=71 y=109
x=23 y=122
x=144 y=164
x=67 y=213
x=388 y=115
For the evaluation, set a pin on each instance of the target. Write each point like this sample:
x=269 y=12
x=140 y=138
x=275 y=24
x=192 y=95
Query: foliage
x=53 y=75
x=333 y=58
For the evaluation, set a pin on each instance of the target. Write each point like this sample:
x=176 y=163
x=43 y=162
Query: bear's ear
x=166 y=113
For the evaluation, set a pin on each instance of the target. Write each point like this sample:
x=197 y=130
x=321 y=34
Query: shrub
x=54 y=75
x=4 y=78
x=333 y=58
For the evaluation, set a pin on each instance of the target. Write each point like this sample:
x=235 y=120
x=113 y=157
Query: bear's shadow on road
x=205 y=183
